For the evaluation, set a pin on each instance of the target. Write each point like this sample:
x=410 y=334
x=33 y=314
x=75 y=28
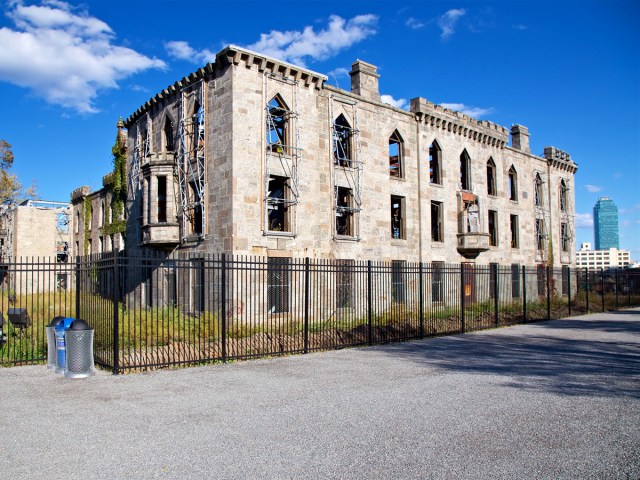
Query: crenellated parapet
x=457 y=123
x=80 y=193
x=232 y=55
x=560 y=159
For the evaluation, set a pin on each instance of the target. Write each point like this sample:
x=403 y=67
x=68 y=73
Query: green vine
x=117 y=180
x=87 y=223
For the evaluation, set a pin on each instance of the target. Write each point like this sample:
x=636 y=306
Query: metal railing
x=152 y=312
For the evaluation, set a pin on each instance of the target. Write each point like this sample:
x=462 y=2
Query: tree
x=11 y=190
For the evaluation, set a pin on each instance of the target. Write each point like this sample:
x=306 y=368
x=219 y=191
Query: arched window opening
x=465 y=171
x=395 y=155
x=513 y=184
x=435 y=163
x=491 y=178
x=277 y=125
x=342 y=142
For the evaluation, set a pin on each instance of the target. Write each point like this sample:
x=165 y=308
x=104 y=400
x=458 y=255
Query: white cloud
x=399 y=103
x=295 y=46
x=64 y=56
x=474 y=112
x=593 y=188
x=183 y=51
x=520 y=27
x=447 y=22
x=414 y=23
x=584 y=220
x=339 y=72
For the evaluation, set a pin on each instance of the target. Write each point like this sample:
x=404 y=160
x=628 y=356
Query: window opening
x=515 y=280
x=515 y=243
x=541 y=280
x=539 y=195
x=162 y=199
x=540 y=234
x=397 y=217
x=168 y=135
x=491 y=178
x=435 y=163
x=278 y=284
x=344 y=212
x=465 y=171
x=493 y=228
x=493 y=275
x=564 y=236
x=398 y=291
x=277 y=205
x=197 y=285
x=563 y=196
x=395 y=155
x=342 y=144
x=513 y=184
x=344 y=282
x=277 y=125
x=437 y=293
x=437 y=233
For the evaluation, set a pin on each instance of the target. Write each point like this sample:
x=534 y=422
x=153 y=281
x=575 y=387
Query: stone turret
x=364 y=80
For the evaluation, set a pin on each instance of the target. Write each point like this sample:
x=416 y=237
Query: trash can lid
x=56 y=321
x=64 y=323
x=80 y=325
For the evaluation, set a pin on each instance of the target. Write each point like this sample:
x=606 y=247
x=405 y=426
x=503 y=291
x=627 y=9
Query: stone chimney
x=520 y=138
x=364 y=80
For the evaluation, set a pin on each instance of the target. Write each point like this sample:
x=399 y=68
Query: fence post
x=628 y=283
x=77 y=286
x=524 y=294
x=116 y=314
x=223 y=304
x=617 y=306
x=306 y=305
x=369 y=302
x=548 y=292
x=586 y=273
x=569 y=287
x=421 y=302
x=602 y=287
x=462 y=319
x=496 y=293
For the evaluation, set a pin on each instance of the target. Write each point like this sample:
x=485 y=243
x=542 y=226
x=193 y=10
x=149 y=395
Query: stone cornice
x=457 y=123
x=233 y=55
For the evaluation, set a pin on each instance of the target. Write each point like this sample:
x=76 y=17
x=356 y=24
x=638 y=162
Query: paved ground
x=557 y=399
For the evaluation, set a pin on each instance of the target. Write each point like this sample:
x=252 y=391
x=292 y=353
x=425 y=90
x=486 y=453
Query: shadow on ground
x=585 y=362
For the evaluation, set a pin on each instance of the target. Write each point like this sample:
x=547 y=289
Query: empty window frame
x=344 y=212
x=435 y=163
x=397 y=217
x=168 y=135
x=398 y=273
x=396 y=144
x=512 y=182
x=278 y=200
x=540 y=234
x=515 y=280
x=194 y=214
x=162 y=199
x=563 y=196
x=515 y=236
x=342 y=142
x=437 y=291
x=491 y=178
x=344 y=283
x=465 y=171
x=278 y=284
x=493 y=228
x=197 y=285
x=437 y=214
x=538 y=191
x=277 y=125
x=564 y=237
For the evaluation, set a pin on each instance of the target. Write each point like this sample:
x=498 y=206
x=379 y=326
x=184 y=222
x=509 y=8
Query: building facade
x=250 y=155
x=36 y=231
x=605 y=221
x=593 y=260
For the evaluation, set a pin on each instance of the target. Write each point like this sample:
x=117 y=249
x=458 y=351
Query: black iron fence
x=152 y=312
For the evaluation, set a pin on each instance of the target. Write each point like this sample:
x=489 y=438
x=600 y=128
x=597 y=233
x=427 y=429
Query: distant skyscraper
x=605 y=221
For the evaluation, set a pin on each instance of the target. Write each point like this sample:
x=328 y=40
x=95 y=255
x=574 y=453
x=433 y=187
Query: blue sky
x=570 y=71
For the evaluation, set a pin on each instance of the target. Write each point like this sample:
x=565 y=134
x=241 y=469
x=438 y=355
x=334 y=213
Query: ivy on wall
x=117 y=180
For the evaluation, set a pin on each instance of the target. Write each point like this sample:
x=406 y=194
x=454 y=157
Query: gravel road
x=550 y=400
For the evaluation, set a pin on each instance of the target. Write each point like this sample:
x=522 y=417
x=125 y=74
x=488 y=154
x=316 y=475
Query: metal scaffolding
x=282 y=159
x=347 y=166
x=191 y=162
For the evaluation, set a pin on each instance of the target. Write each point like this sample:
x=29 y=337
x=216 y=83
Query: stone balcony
x=161 y=234
x=472 y=244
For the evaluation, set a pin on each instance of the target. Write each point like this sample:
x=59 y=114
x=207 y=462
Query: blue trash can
x=61 y=348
